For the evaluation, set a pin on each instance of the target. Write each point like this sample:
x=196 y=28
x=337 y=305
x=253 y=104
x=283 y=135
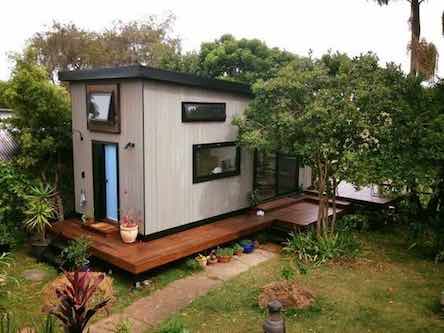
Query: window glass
x=203 y=112
x=213 y=161
x=100 y=106
x=265 y=180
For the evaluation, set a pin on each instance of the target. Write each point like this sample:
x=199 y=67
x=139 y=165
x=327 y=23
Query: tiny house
x=161 y=145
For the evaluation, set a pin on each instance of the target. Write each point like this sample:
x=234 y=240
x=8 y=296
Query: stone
x=34 y=275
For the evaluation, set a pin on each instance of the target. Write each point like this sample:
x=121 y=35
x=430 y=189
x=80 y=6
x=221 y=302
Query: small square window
x=99 y=106
x=215 y=160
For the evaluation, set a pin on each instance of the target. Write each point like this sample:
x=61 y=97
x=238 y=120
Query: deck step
x=277 y=204
x=313 y=196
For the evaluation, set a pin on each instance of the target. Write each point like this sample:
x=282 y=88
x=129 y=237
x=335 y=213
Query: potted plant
x=212 y=258
x=237 y=249
x=248 y=245
x=253 y=199
x=202 y=260
x=39 y=213
x=129 y=229
x=224 y=255
x=75 y=256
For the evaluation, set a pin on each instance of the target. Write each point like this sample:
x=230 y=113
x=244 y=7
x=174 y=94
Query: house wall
x=130 y=160
x=156 y=176
x=171 y=198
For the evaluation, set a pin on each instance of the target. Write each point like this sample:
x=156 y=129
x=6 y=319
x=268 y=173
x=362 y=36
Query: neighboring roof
x=149 y=73
x=8 y=146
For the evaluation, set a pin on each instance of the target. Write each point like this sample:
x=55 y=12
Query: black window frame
x=197 y=147
x=277 y=183
x=220 y=119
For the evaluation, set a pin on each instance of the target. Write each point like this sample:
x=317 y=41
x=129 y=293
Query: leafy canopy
x=41 y=117
x=69 y=47
x=243 y=60
x=329 y=111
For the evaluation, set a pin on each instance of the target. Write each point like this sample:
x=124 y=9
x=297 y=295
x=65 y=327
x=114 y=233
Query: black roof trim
x=149 y=73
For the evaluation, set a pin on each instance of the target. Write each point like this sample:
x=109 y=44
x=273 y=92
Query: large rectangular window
x=198 y=111
x=215 y=160
x=103 y=113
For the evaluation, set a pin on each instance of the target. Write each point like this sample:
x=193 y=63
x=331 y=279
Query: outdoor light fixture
x=80 y=134
x=130 y=145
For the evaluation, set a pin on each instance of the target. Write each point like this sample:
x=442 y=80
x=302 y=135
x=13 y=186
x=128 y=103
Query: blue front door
x=111 y=182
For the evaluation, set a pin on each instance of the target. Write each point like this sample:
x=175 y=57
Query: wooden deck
x=145 y=255
x=363 y=196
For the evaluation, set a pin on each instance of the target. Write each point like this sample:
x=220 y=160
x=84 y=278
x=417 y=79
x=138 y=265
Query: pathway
x=149 y=311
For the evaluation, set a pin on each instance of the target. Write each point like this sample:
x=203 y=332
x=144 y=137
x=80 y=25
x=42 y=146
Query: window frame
x=113 y=123
x=276 y=175
x=185 y=119
x=197 y=147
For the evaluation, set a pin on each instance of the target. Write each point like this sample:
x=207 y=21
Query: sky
x=351 y=26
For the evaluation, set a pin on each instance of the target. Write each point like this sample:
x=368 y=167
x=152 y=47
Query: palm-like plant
x=40 y=209
x=423 y=55
x=73 y=309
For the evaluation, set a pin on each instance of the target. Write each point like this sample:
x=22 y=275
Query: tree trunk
x=436 y=202
x=320 y=208
x=415 y=27
x=333 y=220
x=57 y=197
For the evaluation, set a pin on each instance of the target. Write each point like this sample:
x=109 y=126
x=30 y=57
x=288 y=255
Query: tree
x=242 y=60
x=40 y=122
x=327 y=111
x=69 y=47
x=423 y=55
x=3 y=86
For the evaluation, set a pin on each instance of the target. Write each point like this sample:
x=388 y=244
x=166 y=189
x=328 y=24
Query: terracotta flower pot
x=129 y=234
x=224 y=259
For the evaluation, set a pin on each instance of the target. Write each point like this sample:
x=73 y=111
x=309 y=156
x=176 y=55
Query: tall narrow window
x=275 y=174
x=215 y=160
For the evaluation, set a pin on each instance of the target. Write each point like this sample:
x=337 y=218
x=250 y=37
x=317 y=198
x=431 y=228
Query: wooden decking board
x=142 y=256
x=277 y=204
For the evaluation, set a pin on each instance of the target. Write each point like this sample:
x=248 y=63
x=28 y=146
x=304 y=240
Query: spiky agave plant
x=73 y=310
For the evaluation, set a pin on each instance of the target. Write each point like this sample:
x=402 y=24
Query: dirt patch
x=104 y=291
x=289 y=293
x=362 y=263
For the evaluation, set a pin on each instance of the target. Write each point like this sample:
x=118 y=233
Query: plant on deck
x=72 y=310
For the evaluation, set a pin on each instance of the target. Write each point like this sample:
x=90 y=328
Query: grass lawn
x=387 y=289
x=24 y=298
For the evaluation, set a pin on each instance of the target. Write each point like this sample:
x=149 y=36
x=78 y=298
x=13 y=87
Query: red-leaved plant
x=73 y=309
x=129 y=221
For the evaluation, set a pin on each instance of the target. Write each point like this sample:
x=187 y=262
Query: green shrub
x=428 y=237
x=40 y=209
x=173 y=326
x=245 y=242
x=353 y=222
x=287 y=273
x=6 y=235
x=237 y=248
x=224 y=252
x=310 y=249
x=76 y=254
x=192 y=265
x=14 y=185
